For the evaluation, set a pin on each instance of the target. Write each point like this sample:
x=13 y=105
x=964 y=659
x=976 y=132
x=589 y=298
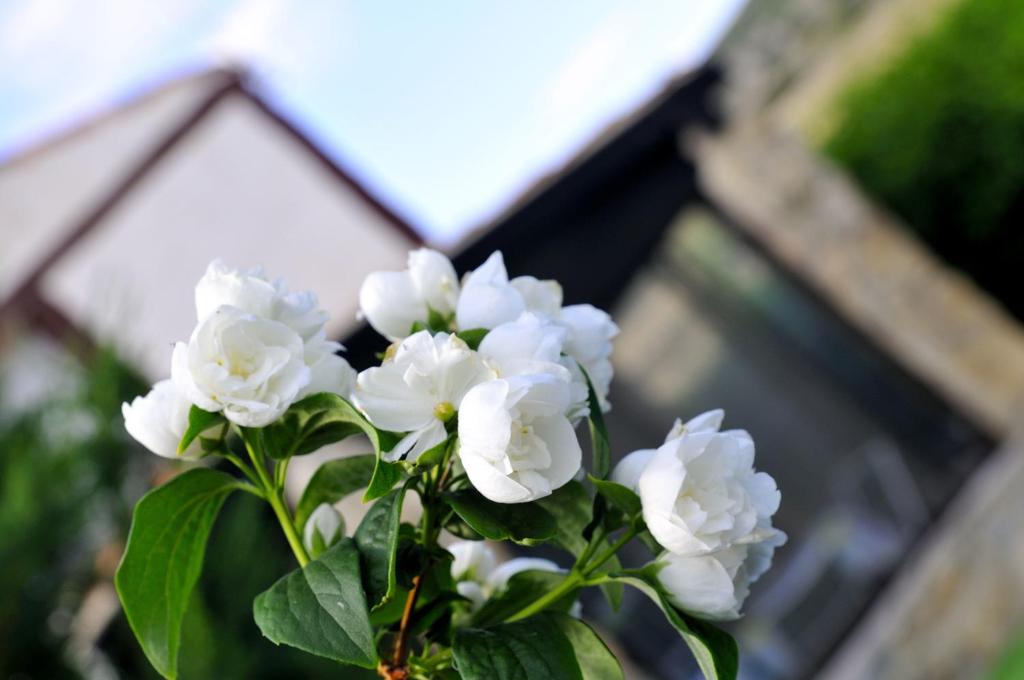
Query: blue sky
x=447 y=110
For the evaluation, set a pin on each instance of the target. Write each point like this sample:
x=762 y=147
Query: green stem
x=237 y=462
x=625 y=538
x=576 y=578
x=275 y=498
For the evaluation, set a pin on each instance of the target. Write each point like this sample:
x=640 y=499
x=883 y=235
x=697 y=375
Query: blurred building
x=105 y=226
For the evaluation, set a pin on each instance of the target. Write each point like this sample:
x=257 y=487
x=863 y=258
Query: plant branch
x=274 y=496
x=575 y=579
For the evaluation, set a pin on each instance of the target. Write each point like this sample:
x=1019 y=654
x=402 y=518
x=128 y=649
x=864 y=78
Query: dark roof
x=594 y=224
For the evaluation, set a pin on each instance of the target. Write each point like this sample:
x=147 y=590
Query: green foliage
x=619 y=496
x=598 y=432
x=321 y=609
x=572 y=505
x=521 y=590
x=315 y=422
x=63 y=464
x=522 y=523
x=163 y=559
x=938 y=137
x=377 y=541
x=714 y=649
x=473 y=337
x=332 y=481
x=539 y=648
x=198 y=422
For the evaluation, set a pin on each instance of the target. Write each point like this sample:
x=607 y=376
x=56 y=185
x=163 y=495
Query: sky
x=447 y=110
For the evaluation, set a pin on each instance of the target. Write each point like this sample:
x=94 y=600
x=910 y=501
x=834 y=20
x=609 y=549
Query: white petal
x=564 y=447
x=540 y=296
x=499 y=578
x=434 y=279
x=391 y=304
x=487 y=299
x=700 y=585
x=223 y=285
x=628 y=471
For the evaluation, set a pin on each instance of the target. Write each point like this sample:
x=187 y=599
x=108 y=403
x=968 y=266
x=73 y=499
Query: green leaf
x=164 y=556
x=332 y=481
x=321 y=609
x=519 y=522
x=435 y=455
x=596 y=661
x=572 y=505
x=620 y=496
x=531 y=649
x=385 y=476
x=437 y=322
x=313 y=423
x=714 y=649
x=377 y=541
x=323 y=419
x=199 y=421
x=523 y=589
x=473 y=336
x=598 y=432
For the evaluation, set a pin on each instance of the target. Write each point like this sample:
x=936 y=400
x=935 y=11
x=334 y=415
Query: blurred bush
x=62 y=467
x=938 y=137
x=69 y=476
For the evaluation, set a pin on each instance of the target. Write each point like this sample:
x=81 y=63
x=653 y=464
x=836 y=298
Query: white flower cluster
x=256 y=349
x=711 y=511
x=516 y=397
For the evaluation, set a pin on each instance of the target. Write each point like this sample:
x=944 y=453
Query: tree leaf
x=323 y=419
x=572 y=505
x=598 y=432
x=523 y=589
x=199 y=421
x=332 y=481
x=620 y=496
x=519 y=522
x=473 y=336
x=596 y=661
x=164 y=556
x=321 y=609
x=714 y=649
x=531 y=649
x=377 y=541
x=315 y=422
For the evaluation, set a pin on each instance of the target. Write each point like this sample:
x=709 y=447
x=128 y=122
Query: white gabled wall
x=237 y=186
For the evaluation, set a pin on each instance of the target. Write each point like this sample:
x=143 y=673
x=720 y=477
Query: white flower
x=251 y=292
x=628 y=471
x=700 y=496
x=515 y=442
x=474 y=561
x=699 y=490
x=419 y=389
x=489 y=299
x=589 y=334
x=531 y=345
x=478 y=576
x=325 y=525
x=248 y=367
x=498 y=579
x=393 y=301
x=715 y=585
x=159 y=420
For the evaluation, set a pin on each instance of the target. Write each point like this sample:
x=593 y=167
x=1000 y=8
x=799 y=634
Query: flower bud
x=323 y=529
